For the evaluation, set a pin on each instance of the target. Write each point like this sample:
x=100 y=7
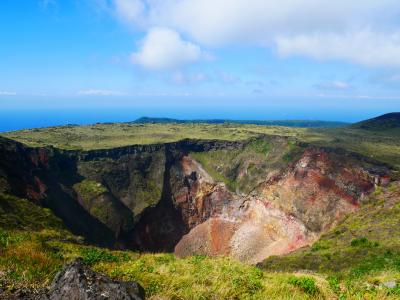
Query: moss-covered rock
x=244 y=169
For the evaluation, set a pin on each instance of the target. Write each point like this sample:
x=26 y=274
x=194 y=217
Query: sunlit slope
x=382 y=145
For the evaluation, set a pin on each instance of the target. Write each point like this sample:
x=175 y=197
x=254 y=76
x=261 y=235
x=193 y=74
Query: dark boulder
x=78 y=282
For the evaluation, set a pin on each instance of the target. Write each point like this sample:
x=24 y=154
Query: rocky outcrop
x=78 y=282
x=289 y=210
x=45 y=176
x=253 y=230
x=248 y=199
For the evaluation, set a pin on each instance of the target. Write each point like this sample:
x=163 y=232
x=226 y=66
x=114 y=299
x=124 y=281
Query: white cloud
x=359 y=31
x=334 y=85
x=7 y=93
x=129 y=10
x=100 y=93
x=371 y=97
x=164 y=49
x=363 y=47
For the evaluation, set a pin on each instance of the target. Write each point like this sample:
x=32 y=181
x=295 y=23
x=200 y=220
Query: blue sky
x=201 y=58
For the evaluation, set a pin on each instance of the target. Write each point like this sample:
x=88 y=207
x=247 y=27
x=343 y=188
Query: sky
x=112 y=60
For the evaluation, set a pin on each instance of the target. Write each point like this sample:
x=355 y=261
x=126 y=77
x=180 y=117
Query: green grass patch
x=92 y=255
x=363 y=242
x=306 y=284
x=16 y=213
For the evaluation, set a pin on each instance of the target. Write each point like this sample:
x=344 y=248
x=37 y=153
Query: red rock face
x=198 y=197
x=40 y=156
x=290 y=210
x=251 y=233
x=320 y=189
x=36 y=192
x=287 y=206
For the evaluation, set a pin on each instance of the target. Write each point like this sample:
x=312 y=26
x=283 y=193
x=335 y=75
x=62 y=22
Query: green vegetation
x=244 y=169
x=287 y=123
x=384 y=122
x=33 y=260
x=93 y=255
x=30 y=259
x=95 y=198
x=359 y=254
x=89 y=189
x=346 y=263
x=18 y=214
x=352 y=261
x=382 y=145
x=307 y=284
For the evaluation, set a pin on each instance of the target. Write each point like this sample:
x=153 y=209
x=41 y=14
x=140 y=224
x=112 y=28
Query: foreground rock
x=78 y=282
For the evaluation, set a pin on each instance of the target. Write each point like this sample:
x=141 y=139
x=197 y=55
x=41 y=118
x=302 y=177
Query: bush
x=320 y=245
x=306 y=284
x=363 y=242
x=91 y=256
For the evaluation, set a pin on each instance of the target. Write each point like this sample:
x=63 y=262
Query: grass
x=382 y=145
x=21 y=214
x=359 y=254
x=352 y=261
x=30 y=258
x=306 y=284
x=242 y=170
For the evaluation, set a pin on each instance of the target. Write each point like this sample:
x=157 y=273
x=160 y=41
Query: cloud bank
x=365 y=32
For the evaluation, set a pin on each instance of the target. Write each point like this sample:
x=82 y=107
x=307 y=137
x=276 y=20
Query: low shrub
x=91 y=256
x=363 y=242
x=306 y=284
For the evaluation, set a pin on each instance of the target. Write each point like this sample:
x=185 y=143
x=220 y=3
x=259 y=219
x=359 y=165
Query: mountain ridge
x=383 y=122
x=286 y=123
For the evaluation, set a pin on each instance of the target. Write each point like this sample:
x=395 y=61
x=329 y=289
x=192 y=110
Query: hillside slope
x=362 y=250
x=32 y=254
x=34 y=246
x=384 y=122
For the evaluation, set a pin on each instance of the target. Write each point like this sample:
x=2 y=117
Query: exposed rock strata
x=281 y=195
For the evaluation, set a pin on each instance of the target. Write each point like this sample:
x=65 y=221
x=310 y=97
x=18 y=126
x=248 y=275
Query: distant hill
x=287 y=123
x=384 y=122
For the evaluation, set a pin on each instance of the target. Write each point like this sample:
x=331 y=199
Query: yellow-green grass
x=380 y=145
x=360 y=253
x=31 y=255
x=31 y=260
